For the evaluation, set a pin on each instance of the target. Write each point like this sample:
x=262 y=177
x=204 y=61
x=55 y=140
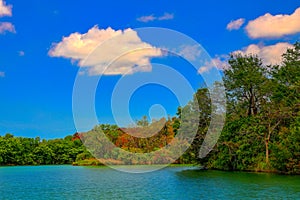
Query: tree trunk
x=252 y=110
x=267 y=151
x=268 y=137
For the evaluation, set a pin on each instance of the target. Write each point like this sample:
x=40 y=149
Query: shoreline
x=200 y=168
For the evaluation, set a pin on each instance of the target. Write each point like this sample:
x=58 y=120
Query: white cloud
x=190 y=52
x=7 y=27
x=5 y=10
x=166 y=16
x=114 y=43
x=270 y=55
x=2 y=74
x=274 y=26
x=149 y=18
x=219 y=62
x=236 y=24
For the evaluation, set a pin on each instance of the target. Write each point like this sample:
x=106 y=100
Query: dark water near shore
x=68 y=182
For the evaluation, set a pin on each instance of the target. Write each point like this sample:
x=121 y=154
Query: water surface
x=68 y=182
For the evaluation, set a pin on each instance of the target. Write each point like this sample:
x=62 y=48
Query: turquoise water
x=68 y=182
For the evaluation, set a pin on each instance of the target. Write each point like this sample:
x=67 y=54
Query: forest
x=34 y=151
x=261 y=132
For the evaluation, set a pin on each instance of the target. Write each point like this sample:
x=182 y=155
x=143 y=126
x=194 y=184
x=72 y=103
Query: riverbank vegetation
x=262 y=130
x=261 y=133
x=34 y=151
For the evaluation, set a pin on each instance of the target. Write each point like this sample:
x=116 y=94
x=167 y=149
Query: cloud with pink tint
x=149 y=18
x=235 y=24
x=127 y=51
x=190 y=52
x=166 y=16
x=219 y=62
x=270 y=55
x=7 y=27
x=5 y=10
x=274 y=26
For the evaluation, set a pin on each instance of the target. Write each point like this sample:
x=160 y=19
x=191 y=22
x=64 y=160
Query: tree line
x=34 y=151
x=261 y=132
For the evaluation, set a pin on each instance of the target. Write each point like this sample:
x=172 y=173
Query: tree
x=286 y=97
x=143 y=122
x=244 y=81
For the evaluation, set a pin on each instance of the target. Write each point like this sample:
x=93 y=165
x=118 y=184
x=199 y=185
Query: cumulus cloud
x=149 y=18
x=190 y=52
x=127 y=51
x=5 y=10
x=274 y=26
x=2 y=74
x=7 y=27
x=270 y=55
x=219 y=62
x=235 y=24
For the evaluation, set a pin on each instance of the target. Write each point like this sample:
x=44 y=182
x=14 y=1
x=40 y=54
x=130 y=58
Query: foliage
x=262 y=130
x=30 y=151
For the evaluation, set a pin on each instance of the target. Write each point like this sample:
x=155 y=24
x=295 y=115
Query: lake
x=68 y=182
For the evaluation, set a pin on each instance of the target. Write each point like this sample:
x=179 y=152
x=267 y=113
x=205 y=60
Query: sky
x=44 y=46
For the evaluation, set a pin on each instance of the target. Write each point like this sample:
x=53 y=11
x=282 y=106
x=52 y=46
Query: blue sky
x=36 y=86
